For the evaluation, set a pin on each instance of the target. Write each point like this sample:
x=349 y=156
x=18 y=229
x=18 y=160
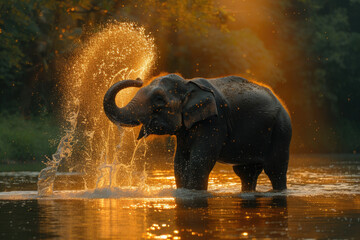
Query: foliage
x=21 y=167
x=26 y=140
x=194 y=40
x=333 y=32
x=309 y=51
x=334 y=50
x=236 y=52
x=33 y=33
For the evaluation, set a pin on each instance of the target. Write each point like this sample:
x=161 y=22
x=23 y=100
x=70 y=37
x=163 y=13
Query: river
x=322 y=201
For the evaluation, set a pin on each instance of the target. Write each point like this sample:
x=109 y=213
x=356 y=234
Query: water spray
x=93 y=146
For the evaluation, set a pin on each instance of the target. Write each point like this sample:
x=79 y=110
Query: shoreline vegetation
x=27 y=141
x=295 y=160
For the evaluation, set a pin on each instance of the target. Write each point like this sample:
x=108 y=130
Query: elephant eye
x=159 y=100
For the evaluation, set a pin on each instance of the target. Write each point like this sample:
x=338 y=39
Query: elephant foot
x=279 y=187
x=248 y=187
x=277 y=191
x=192 y=181
x=277 y=178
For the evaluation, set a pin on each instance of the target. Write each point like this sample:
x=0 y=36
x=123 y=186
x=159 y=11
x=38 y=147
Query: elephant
x=229 y=120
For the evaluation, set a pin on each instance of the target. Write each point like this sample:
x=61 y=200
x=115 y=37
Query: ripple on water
x=329 y=179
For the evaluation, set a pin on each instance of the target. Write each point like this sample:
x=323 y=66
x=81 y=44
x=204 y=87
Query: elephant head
x=168 y=104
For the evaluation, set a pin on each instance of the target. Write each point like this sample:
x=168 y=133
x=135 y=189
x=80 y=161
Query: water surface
x=323 y=201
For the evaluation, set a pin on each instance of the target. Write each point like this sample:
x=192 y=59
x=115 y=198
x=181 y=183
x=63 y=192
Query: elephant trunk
x=121 y=116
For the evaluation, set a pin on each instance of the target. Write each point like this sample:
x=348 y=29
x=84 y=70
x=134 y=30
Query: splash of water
x=91 y=143
x=47 y=175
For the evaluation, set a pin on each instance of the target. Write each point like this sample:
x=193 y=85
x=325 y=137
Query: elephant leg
x=198 y=170
x=180 y=162
x=196 y=156
x=276 y=163
x=277 y=171
x=248 y=175
x=192 y=172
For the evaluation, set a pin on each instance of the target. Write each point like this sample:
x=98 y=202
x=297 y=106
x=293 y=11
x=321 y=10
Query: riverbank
x=27 y=140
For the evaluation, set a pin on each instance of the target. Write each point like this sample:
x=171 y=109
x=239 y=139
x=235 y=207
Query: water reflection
x=171 y=218
x=232 y=219
x=175 y=218
x=209 y=217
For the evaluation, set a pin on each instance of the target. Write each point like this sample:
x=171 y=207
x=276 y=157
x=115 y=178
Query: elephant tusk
x=142 y=133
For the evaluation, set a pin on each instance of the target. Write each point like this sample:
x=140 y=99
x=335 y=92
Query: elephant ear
x=199 y=104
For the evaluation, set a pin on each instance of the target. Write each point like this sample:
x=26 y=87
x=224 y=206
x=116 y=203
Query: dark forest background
x=307 y=51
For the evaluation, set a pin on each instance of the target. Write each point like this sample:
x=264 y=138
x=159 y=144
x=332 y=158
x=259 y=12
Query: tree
x=33 y=34
x=334 y=53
